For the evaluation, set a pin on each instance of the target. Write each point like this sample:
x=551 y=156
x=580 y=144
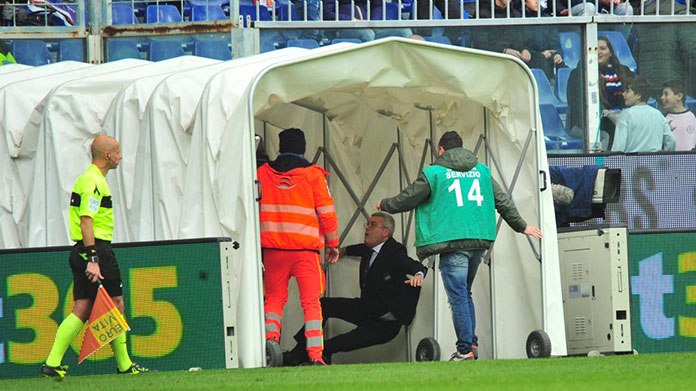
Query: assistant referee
x=92 y=259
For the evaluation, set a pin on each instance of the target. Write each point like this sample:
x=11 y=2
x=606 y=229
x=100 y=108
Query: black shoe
x=136 y=369
x=57 y=372
x=315 y=362
x=289 y=360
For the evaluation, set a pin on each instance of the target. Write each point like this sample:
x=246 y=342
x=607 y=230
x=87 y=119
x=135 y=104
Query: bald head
x=106 y=152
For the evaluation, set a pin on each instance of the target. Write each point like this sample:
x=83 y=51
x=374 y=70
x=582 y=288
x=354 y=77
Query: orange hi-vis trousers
x=305 y=266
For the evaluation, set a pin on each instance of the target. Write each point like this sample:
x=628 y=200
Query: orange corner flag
x=105 y=324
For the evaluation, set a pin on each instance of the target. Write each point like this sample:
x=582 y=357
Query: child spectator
x=641 y=128
x=681 y=119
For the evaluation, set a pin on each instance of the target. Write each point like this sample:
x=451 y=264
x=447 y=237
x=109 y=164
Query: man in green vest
x=91 y=259
x=455 y=201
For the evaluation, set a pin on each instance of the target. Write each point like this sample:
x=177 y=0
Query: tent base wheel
x=538 y=344
x=274 y=355
x=428 y=350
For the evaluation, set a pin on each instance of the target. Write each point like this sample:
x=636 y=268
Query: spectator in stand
x=448 y=7
x=641 y=128
x=359 y=13
x=680 y=119
x=612 y=76
x=666 y=51
x=577 y=8
x=500 y=9
x=536 y=49
x=619 y=7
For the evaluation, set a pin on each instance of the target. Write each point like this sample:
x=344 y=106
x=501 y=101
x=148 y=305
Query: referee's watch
x=92 y=254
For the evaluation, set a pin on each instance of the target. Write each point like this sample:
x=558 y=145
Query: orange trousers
x=305 y=266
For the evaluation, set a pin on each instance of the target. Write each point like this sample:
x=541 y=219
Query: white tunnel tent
x=371 y=114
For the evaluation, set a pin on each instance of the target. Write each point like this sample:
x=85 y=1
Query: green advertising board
x=663 y=291
x=172 y=293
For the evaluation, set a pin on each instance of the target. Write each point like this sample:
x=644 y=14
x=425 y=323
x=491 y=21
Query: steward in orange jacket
x=297 y=217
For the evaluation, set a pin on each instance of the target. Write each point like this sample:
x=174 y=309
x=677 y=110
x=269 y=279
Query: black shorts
x=84 y=288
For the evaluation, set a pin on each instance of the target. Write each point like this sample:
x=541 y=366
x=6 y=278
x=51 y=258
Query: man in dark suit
x=390 y=284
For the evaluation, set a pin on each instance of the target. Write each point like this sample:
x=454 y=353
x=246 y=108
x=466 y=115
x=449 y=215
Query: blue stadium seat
x=282 y=11
x=571 y=49
x=562 y=76
x=391 y=12
x=31 y=52
x=652 y=103
x=71 y=49
x=546 y=95
x=303 y=43
x=212 y=48
x=167 y=14
x=351 y=40
x=623 y=52
x=215 y=12
x=122 y=14
x=691 y=103
x=250 y=10
x=120 y=48
x=555 y=134
x=224 y=4
x=164 y=49
x=438 y=39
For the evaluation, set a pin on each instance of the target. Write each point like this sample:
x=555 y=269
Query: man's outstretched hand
x=533 y=231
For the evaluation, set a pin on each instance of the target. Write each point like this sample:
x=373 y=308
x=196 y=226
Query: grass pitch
x=642 y=372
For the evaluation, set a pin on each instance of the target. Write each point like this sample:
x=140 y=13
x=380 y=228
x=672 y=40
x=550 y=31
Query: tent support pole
x=341 y=177
x=487 y=258
x=420 y=169
x=361 y=205
x=403 y=175
x=325 y=136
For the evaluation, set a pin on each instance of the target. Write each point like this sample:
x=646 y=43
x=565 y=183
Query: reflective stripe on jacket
x=296 y=211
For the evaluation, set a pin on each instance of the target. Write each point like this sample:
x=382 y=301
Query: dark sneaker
x=136 y=369
x=474 y=348
x=58 y=372
x=456 y=356
x=318 y=362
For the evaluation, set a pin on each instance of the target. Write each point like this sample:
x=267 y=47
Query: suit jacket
x=382 y=287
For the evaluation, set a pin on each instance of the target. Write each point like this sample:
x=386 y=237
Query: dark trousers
x=370 y=331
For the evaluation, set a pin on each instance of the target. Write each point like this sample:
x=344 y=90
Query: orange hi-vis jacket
x=296 y=209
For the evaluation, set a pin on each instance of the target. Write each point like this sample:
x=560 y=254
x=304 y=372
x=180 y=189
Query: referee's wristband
x=92 y=254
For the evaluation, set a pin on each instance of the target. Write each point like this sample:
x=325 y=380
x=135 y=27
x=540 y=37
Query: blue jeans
x=458 y=269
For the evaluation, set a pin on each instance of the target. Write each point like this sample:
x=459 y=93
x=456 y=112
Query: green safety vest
x=461 y=206
x=91 y=197
x=7 y=59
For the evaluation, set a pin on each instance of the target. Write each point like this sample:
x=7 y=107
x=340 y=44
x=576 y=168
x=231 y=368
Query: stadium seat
x=71 y=49
x=571 y=48
x=167 y=14
x=250 y=10
x=122 y=14
x=215 y=12
x=562 y=76
x=554 y=133
x=546 y=95
x=282 y=10
x=212 y=48
x=350 y=40
x=189 y=4
x=164 y=49
x=623 y=52
x=120 y=48
x=391 y=12
x=652 y=103
x=465 y=40
x=440 y=39
x=691 y=103
x=31 y=52
x=303 y=43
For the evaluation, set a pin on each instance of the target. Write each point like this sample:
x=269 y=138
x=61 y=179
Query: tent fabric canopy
x=193 y=172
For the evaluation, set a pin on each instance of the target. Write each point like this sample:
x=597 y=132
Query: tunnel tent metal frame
x=403 y=174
